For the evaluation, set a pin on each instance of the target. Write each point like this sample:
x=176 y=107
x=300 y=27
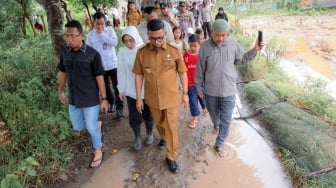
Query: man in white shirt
x=105 y=40
x=151 y=14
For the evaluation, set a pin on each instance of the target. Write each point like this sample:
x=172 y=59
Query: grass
x=36 y=120
x=301 y=126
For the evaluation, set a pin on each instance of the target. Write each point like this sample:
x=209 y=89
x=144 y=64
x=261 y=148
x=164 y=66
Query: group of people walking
x=156 y=70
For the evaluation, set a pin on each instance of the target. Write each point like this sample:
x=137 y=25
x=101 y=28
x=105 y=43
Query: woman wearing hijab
x=126 y=86
x=221 y=14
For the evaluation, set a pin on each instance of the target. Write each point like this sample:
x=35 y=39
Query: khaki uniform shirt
x=133 y=18
x=159 y=68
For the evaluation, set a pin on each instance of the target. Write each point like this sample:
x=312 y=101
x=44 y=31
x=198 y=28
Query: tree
x=55 y=19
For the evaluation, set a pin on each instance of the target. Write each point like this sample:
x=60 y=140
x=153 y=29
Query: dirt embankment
x=308 y=39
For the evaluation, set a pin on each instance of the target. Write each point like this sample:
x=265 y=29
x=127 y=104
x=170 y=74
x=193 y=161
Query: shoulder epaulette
x=143 y=45
x=172 y=45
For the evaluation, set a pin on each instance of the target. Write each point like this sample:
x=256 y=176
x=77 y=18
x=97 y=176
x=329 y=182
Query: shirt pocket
x=84 y=68
x=167 y=63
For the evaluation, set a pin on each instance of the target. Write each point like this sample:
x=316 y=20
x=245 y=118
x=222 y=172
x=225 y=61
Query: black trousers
x=135 y=118
x=206 y=29
x=111 y=83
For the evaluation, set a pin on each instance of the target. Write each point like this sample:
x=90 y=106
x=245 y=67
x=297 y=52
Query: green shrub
x=29 y=103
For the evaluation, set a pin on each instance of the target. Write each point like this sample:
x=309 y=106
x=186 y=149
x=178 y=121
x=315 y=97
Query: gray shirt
x=216 y=67
x=142 y=29
x=205 y=13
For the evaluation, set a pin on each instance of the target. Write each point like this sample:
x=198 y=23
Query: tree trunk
x=55 y=19
x=30 y=23
x=23 y=19
x=44 y=24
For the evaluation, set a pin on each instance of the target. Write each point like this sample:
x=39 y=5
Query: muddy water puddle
x=115 y=171
x=250 y=162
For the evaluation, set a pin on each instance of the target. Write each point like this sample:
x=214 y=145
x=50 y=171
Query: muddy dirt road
x=250 y=161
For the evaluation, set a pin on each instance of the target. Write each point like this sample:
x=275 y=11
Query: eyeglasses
x=72 y=36
x=159 y=39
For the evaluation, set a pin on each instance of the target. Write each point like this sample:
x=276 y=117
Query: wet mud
x=250 y=161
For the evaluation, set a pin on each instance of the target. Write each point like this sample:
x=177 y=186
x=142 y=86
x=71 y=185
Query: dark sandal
x=220 y=151
x=94 y=161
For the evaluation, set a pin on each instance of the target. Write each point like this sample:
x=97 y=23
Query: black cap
x=182 y=3
x=163 y=5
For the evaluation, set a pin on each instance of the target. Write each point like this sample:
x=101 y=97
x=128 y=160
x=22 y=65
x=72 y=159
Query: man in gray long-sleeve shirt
x=217 y=72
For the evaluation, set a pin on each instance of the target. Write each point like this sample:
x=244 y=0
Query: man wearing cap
x=167 y=16
x=156 y=66
x=151 y=14
x=185 y=17
x=216 y=71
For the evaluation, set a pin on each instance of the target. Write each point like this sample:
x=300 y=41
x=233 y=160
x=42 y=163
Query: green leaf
x=32 y=161
x=10 y=181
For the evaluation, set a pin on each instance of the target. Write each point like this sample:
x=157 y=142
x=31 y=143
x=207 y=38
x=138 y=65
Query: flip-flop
x=220 y=151
x=94 y=161
x=192 y=124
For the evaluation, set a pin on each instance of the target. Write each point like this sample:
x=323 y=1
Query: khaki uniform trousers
x=166 y=122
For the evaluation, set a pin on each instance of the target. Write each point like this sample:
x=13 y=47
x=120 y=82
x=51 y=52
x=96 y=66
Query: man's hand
x=185 y=100
x=63 y=99
x=258 y=46
x=139 y=105
x=122 y=96
x=200 y=94
x=104 y=106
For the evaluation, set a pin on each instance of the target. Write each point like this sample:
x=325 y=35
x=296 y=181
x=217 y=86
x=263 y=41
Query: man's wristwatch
x=103 y=98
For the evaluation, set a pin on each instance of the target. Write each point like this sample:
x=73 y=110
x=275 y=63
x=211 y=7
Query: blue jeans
x=87 y=118
x=220 y=110
x=193 y=101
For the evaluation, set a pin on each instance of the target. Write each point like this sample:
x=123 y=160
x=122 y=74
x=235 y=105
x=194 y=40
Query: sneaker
x=173 y=167
x=162 y=144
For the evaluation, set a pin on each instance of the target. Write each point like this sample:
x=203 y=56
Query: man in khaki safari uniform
x=157 y=64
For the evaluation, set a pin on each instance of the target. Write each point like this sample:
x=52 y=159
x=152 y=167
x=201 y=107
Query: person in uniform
x=133 y=15
x=185 y=17
x=156 y=65
x=167 y=16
